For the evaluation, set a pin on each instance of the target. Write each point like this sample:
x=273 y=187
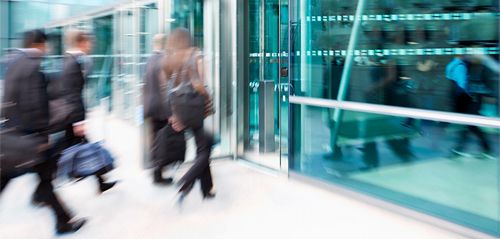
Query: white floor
x=249 y=204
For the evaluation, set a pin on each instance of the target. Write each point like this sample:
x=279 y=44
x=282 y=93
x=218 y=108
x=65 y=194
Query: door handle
x=284 y=72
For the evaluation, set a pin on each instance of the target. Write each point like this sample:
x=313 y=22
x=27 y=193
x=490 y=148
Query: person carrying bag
x=189 y=98
x=85 y=159
x=188 y=103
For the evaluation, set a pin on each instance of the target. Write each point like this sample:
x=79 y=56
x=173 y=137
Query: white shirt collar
x=75 y=52
x=32 y=52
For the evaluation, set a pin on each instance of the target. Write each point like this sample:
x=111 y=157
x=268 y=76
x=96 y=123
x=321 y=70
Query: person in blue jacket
x=465 y=102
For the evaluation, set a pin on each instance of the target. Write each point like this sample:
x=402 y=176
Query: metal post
x=266 y=116
x=344 y=82
x=161 y=16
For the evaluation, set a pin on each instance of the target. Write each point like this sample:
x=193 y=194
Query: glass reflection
x=411 y=165
x=401 y=52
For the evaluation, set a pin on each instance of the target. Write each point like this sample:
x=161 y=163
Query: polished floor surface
x=250 y=203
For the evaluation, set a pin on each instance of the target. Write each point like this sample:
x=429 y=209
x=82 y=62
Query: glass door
x=267 y=90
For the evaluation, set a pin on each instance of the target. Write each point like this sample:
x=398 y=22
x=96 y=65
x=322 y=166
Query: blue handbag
x=85 y=159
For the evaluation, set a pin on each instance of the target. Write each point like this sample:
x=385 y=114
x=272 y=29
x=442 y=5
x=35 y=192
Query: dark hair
x=181 y=38
x=36 y=36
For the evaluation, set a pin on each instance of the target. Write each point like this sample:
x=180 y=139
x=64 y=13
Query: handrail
x=454 y=118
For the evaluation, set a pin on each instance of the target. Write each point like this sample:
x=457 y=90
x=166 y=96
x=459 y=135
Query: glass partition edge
x=399 y=111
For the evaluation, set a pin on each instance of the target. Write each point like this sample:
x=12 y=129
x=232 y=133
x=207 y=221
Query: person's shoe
x=460 y=152
x=209 y=195
x=180 y=199
x=407 y=125
x=337 y=156
x=411 y=126
x=70 y=227
x=183 y=192
x=185 y=189
x=106 y=186
x=488 y=155
x=37 y=202
x=163 y=181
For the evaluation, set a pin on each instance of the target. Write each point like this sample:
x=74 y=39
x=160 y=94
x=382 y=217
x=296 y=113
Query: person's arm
x=209 y=106
x=176 y=124
x=201 y=68
x=76 y=77
x=391 y=75
x=199 y=85
x=460 y=76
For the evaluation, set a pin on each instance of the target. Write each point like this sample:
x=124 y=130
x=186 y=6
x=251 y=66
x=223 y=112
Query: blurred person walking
x=189 y=103
x=76 y=67
x=25 y=107
x=465 y=102
x=155 y=113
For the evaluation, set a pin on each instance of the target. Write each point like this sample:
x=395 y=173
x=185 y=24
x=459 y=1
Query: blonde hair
x=73 y=37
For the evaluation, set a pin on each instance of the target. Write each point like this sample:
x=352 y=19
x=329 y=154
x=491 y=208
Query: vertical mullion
x=344 y=80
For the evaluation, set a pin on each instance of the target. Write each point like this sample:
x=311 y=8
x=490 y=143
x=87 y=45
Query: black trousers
x=201 y=167
x=157 y=125
x=465 y=104
x=45 y=190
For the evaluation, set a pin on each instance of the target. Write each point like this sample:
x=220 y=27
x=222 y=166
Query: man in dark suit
x=28 y=111
x=155 y=110
x=73 y=76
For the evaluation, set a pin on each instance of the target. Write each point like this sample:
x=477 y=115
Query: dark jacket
x=25 y=103
x=154 y=105
x=73 y=82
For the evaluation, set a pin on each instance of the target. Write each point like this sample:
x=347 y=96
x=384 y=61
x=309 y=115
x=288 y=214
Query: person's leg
x=461 y=105
x=474 y=105
x=204 y=143
x=103 y=185
x=370 y=155
x=158 y=170
x=45 y=192
x=207 y=183
x=402 y=148
x=482 y=137
x=3 y=183
x=336 y=150
x=48 y=196
x=46 y=172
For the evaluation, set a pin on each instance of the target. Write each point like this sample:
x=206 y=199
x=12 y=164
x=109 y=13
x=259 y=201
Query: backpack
x=186 y=103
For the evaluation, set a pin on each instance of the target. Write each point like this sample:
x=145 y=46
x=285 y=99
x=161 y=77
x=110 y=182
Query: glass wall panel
x=99 y=82
x=41 y=12
x=148 y=28
x=267 y=90
x=283 y=84
x=411 y=166
x=255 y=62
x=322 y=33
x=126 y=49
x=400 y=52
x=5 y=23
x=188 y=14
x=405 y=54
